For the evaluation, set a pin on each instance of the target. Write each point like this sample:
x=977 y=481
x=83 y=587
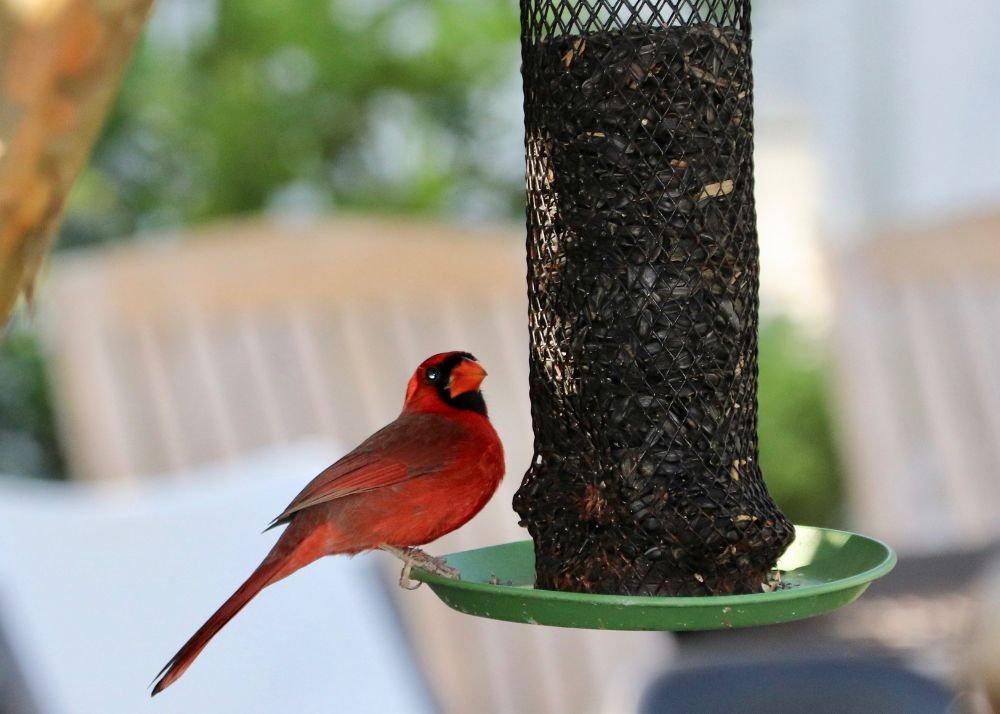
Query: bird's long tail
x=280 y=562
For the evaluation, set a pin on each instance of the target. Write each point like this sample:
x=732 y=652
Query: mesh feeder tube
x=642 y=285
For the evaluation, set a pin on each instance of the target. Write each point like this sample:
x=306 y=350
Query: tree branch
x=60 y=64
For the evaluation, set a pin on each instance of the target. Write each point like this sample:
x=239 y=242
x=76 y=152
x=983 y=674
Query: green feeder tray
x=822 y=570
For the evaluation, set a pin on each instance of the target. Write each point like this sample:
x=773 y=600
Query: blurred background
x=288 y=208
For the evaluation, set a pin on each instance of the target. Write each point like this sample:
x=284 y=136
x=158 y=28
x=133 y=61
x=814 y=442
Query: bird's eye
x=433 y=374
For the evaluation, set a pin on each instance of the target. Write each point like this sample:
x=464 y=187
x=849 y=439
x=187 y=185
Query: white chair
x=99 y=589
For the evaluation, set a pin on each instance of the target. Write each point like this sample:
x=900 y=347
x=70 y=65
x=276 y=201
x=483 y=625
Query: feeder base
x=822 y=570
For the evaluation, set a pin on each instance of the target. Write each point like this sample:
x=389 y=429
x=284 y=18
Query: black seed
x=642 y=294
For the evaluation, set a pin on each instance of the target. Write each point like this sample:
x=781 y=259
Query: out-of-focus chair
x=173 y=352
x=917 y=354
x=188 y=349
x=917 y=362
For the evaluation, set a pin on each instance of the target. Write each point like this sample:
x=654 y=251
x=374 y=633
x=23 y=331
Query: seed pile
x=643 y=315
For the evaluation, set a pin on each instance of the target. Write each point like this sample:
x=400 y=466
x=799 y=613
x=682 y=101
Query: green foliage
x=797 y=451
x=375 y=105
x=28 y=443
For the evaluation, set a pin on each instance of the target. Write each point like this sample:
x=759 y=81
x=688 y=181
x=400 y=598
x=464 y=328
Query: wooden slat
x=875 y=445
x=313 y=372
x=209 y=383
x=964 y=508
x=360 y=366
x=979 y=317
x=162 y=398
x=90 y=415
x=261 y=379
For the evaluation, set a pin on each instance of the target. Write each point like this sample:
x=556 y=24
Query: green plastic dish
x=822 y=570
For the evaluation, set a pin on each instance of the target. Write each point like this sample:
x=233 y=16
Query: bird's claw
x=415 y=556
x=404 y=576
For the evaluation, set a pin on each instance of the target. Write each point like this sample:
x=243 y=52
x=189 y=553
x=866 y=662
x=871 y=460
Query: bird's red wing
x=407 y=448
x=347 y=476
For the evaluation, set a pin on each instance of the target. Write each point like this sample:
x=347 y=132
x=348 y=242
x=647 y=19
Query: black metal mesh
x=643 y=276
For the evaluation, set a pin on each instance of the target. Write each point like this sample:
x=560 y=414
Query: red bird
x=423 y=475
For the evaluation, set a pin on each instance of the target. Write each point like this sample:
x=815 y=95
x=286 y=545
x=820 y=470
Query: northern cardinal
x=423 y=475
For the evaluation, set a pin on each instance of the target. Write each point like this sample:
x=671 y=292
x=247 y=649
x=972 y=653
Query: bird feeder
x=642 y=285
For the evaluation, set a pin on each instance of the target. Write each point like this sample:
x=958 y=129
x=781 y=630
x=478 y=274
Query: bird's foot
x=415 y=556
x=431 y=564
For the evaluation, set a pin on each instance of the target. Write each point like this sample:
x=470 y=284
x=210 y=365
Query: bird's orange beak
x=466 y=376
